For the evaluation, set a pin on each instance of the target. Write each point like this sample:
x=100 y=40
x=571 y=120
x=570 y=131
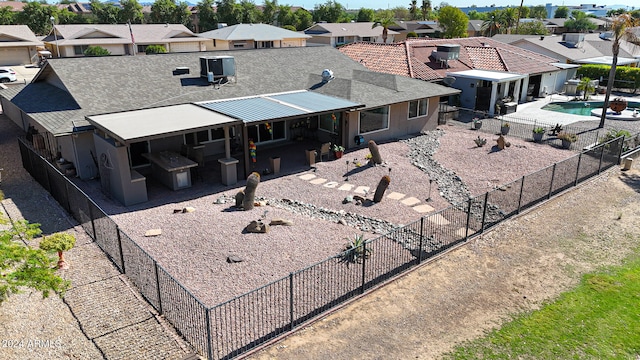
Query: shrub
x=538 y=130
x=355 y=251
x=570 y=137
x=412 y=34
x=155 y=49
x=96 y=51
x=290 y=27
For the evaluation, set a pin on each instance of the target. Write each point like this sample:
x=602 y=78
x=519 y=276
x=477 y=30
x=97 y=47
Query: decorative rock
x=234 y=259
x=347 y=199
x=220 y=200
x=281 y=222
x=342 y=222
x=153 y=232
x=188 y=209
x=176 y=211
x=257 y=226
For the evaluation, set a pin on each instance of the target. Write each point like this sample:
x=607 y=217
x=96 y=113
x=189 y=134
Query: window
x=80 y=49
x=374 y=119
x=366 y=38
x=327 y=122
x=340 y=40
x=260 y=133
x=266 y=44
x=206 y=136
x=418 y=108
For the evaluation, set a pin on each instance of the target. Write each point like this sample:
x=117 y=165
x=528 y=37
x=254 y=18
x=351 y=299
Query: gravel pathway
x=101 y=316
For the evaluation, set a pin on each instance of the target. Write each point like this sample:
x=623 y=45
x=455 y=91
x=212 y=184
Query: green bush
x=412 y=34
x=290 y=27
x=155 y=49
x=625 y=73
x=96 y=51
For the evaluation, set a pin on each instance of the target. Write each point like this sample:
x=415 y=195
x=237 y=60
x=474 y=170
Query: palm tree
x=586 y=86
x=385 y=19
x=426 y=9
x=622 y=30
x=508 y=18
x=492 y=24
x=413 y=9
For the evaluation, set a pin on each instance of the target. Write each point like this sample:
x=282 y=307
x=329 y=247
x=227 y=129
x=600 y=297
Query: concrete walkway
x=102 y=315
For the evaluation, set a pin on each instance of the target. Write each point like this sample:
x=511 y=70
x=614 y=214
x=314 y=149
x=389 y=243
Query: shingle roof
x=75 y=34
x=119 y=83
x=347 y=29
x=17 y=35
x=255 y=32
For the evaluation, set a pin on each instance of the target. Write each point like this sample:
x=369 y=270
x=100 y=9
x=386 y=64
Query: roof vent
x=446 y=52
x=327 y=75
x=219 y=66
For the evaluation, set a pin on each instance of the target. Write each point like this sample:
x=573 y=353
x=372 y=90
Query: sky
x=382 y=4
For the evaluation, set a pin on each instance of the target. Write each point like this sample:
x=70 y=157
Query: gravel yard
x=194 y=246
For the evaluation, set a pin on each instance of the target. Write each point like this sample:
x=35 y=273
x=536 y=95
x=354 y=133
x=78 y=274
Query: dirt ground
x=514 y=268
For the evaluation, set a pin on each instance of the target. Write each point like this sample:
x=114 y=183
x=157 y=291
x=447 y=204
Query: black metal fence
x=243 y=323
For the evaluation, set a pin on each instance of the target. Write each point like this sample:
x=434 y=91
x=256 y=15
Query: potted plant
x=504 y=128
x=338 y=151
x=567 y=139
x=538 y=133
x=59 y=242
x=477 y=123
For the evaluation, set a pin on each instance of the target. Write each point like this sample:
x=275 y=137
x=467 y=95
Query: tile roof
x=414 y=57
x=255 y=32
x=97 y=85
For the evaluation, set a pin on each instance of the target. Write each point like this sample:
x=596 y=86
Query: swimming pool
x=582 y=107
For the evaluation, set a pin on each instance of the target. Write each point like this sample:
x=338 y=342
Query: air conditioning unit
x=219 y=66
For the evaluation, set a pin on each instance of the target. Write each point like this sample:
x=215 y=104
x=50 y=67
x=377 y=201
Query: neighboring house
x=557 y=25
x=336 y=34
x=474 y=28
x=18 y=45
x=574 y=48
x=77 y=8
x=101 y=114
x=253 y=36
x=16 y=6
x=426 y=29
x=119 y=39
x=484 y=70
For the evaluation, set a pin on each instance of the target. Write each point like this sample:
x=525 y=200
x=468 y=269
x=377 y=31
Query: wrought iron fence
x=238 y=325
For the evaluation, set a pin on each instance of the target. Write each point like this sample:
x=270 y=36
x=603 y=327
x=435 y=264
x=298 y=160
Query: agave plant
x=355 y=251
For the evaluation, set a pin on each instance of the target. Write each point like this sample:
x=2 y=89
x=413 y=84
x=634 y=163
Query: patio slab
x=396 y=196
x=410 y=201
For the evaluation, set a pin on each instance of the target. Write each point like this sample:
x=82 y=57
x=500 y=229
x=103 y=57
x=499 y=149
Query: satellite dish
x=449 y=80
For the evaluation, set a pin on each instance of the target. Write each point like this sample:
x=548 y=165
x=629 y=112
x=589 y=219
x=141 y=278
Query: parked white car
x=7 y=75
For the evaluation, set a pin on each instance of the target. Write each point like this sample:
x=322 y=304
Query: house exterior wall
x=399 y=124
x=67 y=51
x=13 y=113
x=84 y=147
x=16 y=55
x=121 y=186
x=320 y=40
x=293 y=42
x=193 y=46
x=468 y=93
x=549 y=82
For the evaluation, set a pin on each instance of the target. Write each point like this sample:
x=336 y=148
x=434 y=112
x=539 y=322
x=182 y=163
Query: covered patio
x=214 y=141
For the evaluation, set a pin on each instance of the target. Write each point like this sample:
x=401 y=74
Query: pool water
x=582 y=107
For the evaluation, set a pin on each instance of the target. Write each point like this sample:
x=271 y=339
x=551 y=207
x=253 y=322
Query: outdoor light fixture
x=55 y=36
x=347 y=177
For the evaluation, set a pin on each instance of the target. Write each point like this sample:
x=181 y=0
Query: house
x=474 y=28
x=336 y=34
x=18 y=45
x=253 y=36
x=121 y=39
x=485 y=70
x=103 y=114
x=426 y=28
x=574 y=48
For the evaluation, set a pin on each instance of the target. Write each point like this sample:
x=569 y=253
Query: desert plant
x=566 y=136
x=59 y=242
x=480 y=142
x=355 y=251
x=586 y=86
x=477 y=123
x=250 y=191
x=556 y=130
x=155 y=49
x=538 y=130
x=375 y=152
x=504 y=128
x=382 y=187
x=337 y=148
